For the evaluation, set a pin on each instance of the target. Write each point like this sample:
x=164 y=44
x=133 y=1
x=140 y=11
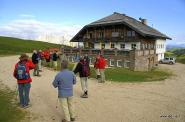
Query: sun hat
x=23 y=56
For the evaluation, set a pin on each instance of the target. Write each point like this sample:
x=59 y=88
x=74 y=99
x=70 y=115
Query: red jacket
x=101 y=63
x=46 y=55
x=29 y=66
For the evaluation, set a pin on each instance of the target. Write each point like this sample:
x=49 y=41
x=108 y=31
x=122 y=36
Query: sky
x=32 y=19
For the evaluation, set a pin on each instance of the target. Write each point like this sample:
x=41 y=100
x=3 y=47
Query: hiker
x=101 y=66
x=65 y=80
x=47 y=57
x=97 y=70
x=63 y=57
x=55 y=57
x=77 y=57
x=39 y=53
x=35 y=60
x=87 y=59
x=22 y=74
x=84 y=71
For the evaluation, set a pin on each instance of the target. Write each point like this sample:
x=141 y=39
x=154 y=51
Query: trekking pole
x=17 y=93
x=74 y=66
x=57 y=103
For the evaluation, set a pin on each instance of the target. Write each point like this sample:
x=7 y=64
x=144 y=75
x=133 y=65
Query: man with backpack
x=35 y=60
x=22 y=74
x=65 y=80
x=55 y=57
x=84 y=71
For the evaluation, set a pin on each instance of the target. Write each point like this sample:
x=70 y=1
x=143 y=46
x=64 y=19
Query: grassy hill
x=178 y=53
x=12 y=46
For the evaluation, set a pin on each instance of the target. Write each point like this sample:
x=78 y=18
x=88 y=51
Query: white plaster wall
x=160 y=50
x=117 y=45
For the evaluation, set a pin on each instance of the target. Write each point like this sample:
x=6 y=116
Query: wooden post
x=124 y=32
x=95 y=34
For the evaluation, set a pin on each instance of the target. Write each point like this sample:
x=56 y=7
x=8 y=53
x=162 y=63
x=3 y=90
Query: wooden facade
x=113 y=34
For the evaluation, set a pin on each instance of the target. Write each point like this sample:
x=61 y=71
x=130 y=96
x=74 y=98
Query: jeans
x=24 y=90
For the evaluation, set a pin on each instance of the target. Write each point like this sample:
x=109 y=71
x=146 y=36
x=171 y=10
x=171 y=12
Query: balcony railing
x=116 y=39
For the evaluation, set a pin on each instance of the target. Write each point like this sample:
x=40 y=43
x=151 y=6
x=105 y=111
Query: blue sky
x=30 y=18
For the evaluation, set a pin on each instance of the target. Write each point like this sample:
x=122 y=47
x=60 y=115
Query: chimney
x=116 y=13
x=143 y=21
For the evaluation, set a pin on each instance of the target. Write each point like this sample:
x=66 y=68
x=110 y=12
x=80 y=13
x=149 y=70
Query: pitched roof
x=117 y=18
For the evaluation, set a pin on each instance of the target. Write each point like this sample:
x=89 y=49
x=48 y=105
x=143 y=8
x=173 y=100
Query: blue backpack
x=21 y=73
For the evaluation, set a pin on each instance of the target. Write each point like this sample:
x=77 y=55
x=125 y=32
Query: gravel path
x=162 y=101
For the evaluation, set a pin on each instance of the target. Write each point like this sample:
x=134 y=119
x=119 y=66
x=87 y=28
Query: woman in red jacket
x=22 y=74
x=101 y=66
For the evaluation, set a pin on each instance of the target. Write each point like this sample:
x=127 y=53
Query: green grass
x=126 y=75
x=178 y=53
x=9 y=111
x=13 y=46
x=181 y=59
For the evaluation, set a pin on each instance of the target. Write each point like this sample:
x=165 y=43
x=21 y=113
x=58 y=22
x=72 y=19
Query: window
x=102 y=46
x=151 y=46
x=133 y=46
x=101 y=35
x=143 y=46
x=112 y=45
x=122 y=46
x=133 y=33
x=129 y=33
x=90 y=35
x=115 y=34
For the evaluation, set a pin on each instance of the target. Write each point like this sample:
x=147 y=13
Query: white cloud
x=177 y=39
x=27 y=16
x=34 y=29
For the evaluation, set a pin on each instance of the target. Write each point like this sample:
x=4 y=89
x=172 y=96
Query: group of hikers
x=64 y=80
x=47 y=58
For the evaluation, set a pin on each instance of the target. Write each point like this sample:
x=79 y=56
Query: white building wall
x=160 y=48
x=97 y=46
x=128 y=45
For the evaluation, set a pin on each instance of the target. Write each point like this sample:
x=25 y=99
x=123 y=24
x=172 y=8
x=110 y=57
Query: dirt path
x=162 y=101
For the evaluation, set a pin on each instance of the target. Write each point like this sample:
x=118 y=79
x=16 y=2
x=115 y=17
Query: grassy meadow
x=178 y=53
x=125 y=75
x=13 y=46
x=9 y=111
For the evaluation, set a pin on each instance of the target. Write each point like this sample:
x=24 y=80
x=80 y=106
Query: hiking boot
x=84 y=96
x=72 y=119
x=103 y=81
x=65 y=120
x=27 y=106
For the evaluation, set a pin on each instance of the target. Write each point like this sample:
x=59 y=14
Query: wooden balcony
x=112 y=39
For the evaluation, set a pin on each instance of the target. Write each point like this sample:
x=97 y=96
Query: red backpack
x=85 y=69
